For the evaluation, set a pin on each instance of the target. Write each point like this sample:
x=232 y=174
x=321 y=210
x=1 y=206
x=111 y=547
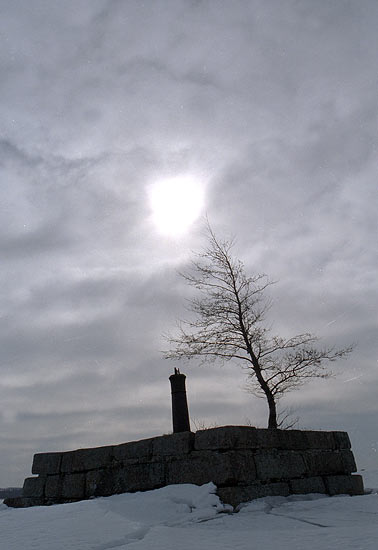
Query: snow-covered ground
x=188 y=517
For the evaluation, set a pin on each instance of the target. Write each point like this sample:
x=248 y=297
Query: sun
x=176 y=203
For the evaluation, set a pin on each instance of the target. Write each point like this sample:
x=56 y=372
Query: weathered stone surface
x=227 y=468
x=46 y=463
x=73 y=486
x=279 y=439
x=139 y=477
x=100 y=483
x=320 y=440
x=83 y=460
x=290 y=440
x=180 y=443
x=277 y=465
x=237 y=495
x=329 y=462
x=344 y=485
x=302 y=440
x=242 y=466
x=135 y=477
x=197 y=469
x=307 y=485
x=140 y=450
x=92 y=483
x=226 y=437
x=348 y=461
x=244 y=462
x=23 y=502
x=53 y=487
x=342 y=440
x=34 y=487
x=284 y=440
x=245 y=437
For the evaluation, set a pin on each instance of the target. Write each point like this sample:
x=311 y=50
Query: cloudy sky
x=260 y=114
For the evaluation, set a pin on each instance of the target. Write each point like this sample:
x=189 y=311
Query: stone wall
x=244 y=462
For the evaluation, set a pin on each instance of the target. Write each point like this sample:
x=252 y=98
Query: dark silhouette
x=228 y=323
x=180 y=412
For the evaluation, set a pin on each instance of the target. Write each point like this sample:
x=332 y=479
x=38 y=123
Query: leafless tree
x=227 y=322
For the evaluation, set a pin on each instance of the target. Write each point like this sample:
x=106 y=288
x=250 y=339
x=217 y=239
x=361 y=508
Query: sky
x=261 y=115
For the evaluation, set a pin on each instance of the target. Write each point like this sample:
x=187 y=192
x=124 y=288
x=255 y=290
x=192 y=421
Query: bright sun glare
x=176 y=203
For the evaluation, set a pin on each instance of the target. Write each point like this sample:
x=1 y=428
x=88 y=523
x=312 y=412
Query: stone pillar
x=180 y=412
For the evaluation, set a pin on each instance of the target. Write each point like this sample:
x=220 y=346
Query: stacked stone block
x=244 y=462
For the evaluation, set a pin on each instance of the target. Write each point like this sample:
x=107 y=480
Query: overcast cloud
x=272 y=107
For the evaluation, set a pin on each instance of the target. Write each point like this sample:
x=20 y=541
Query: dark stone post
x=180 y=412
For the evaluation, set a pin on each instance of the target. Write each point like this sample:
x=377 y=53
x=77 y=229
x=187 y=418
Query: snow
x=189 y=517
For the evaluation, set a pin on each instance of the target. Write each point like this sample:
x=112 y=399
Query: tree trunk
x=272 y=424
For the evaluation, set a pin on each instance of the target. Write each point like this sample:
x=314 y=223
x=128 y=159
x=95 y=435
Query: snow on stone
x=189 y=517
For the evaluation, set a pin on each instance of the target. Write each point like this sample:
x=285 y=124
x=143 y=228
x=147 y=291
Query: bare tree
x=228 y=323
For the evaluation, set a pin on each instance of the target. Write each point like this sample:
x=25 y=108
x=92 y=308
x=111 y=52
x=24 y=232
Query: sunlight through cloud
x=176 y=203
